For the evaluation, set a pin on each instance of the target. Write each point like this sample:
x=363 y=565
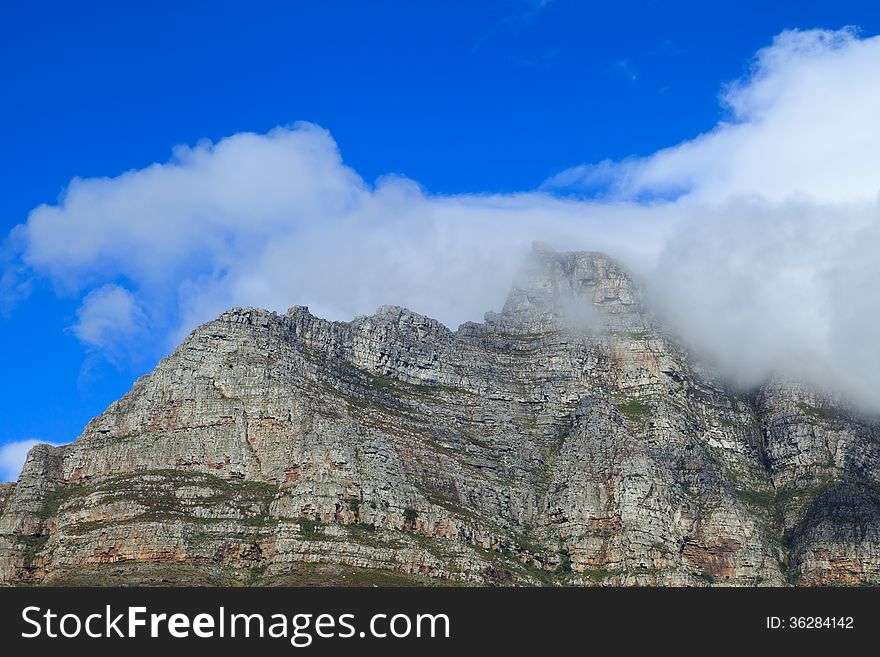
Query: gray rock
x=566 y=440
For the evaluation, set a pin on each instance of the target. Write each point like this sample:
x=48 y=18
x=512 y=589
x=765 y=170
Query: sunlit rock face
x=566 y=440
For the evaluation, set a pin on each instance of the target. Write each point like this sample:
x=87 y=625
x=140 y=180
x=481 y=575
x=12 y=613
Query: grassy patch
x=255 y=575
x=364 y=534
x=505 y=562
x=431 y=545
x=156 y=495
x=340 y=575
x=524 y=337
x=727 y=422
x=478 y=442
x=309 y=528
x=523 y=542
x=634 y=410
x=774 y=505
x=149 y=574
x=753 y=497
x=706 y=577
x=822 y=412
x=354 y=506
x=32 y=546
x=396 y=387
x=564 y=567
x=453 y=506
x=55 y=499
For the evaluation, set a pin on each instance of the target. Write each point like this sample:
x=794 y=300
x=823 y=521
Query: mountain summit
x=566 y=440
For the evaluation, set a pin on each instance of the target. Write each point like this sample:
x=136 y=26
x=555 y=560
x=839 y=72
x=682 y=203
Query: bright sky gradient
x=461 y=97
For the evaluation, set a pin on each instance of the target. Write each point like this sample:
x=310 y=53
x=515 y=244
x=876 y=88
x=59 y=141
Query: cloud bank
x=802 y=122
x=759 y=240
x=277 y=219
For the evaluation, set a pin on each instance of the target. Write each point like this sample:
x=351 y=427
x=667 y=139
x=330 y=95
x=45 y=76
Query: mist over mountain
x=756 y=241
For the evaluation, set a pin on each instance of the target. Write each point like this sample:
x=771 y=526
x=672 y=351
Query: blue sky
x=461 y=97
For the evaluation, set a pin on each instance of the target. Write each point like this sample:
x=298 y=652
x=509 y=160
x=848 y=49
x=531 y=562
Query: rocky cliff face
x=566 y=440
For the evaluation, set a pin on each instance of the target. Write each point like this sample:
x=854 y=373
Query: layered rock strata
x=567 y=440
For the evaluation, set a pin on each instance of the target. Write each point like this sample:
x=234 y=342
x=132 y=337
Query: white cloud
x=802 y=122
x=109 y=317
x=784 y=288
x=275 y=220
x=764 y=254
x=12 y=457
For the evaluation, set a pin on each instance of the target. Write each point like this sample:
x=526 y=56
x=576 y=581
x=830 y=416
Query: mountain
x=568 y=439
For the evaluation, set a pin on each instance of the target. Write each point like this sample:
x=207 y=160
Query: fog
x=758 y=240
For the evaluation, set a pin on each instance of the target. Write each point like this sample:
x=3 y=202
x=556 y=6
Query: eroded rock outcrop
x=566 y=440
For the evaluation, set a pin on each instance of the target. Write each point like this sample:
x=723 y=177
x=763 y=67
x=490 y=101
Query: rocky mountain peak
x=565 y=441
x=581 y=289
